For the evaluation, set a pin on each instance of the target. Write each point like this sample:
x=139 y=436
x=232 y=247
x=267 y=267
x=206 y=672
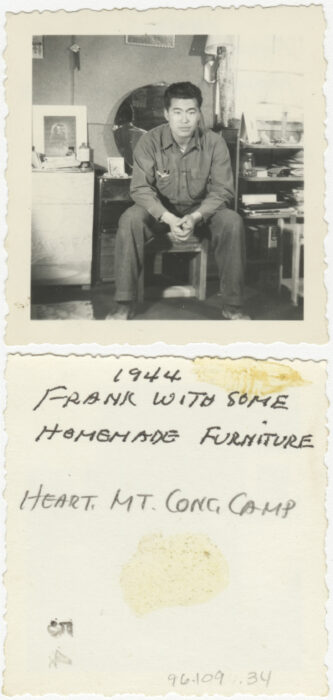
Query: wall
x=109 y=70
x=268 y=77
x=52 y=76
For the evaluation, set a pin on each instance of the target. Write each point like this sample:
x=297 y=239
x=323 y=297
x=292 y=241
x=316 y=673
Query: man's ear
x=201 y=121
x=166 y=114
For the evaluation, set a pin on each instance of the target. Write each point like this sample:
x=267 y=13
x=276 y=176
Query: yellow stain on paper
x=252 y=377
x=183 y=569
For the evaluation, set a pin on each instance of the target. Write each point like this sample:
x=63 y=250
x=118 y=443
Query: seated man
x=182 y=183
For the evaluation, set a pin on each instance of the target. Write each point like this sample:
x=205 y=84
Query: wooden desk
x=62 y=227
x=112 y=197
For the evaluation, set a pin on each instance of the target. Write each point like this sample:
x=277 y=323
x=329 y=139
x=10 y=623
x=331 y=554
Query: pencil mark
x=58 y=658
x=56 y=628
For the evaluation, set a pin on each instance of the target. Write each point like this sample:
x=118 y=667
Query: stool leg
x=203 y=272
x=194 y=272
x=198 y=272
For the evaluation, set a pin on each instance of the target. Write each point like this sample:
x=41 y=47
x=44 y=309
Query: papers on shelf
x=59 y=162
x=258 y=198
x=266 y=213
x=53 y=162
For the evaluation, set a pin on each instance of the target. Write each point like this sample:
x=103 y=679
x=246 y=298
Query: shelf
x=272 y=146
x=290 y=178
x=107 y=177
x=267 y=217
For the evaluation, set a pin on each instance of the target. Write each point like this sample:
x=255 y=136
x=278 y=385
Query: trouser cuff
x=124 y=297
x=232 y=301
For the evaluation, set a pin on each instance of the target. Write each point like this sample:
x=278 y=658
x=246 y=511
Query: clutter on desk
x=41 y=162
x=278 y=171
x=294 y=163
x=295 y=198
x=293 y=166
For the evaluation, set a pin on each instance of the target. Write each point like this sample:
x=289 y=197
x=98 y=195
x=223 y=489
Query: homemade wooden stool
x=197 y=251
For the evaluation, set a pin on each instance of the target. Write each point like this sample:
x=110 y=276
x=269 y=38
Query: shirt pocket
x=166 y=183
x=196 y=184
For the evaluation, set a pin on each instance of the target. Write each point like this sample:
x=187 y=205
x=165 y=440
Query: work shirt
x=167 y=179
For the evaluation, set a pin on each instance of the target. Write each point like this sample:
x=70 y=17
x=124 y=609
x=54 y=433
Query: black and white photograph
x=166 y=352
x=179 y=193
x=59 y=135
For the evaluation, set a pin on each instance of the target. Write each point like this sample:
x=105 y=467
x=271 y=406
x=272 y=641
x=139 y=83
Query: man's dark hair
x=182 y=91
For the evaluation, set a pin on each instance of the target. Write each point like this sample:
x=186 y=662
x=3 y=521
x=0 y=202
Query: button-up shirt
x=167 y=179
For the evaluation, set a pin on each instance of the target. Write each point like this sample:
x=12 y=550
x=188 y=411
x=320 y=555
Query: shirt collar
x=167 y=138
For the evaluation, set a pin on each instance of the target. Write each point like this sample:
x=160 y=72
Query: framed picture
x=116 y=166
x=163 y=41
x=59 y=129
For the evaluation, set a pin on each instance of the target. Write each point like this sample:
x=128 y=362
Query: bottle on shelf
x=248 y=168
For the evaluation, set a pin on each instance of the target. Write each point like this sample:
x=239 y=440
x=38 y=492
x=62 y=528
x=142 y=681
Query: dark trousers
x=226 y=231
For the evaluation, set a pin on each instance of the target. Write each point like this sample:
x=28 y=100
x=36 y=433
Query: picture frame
x=59 y=129
x=162 y=41
x=116 y=167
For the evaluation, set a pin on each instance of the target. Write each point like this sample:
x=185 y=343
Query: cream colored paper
x=172 y=589
x=252 y=23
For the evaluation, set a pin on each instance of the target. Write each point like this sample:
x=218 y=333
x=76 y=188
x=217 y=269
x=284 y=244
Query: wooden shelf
x=269 y=178
x=288 y=220
x=267 y=217
x=272 y=146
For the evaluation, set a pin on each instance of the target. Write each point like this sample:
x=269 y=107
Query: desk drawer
x=115 y=190
x=63 y=188
x=61 y=251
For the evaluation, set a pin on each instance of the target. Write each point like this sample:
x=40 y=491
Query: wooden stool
x=197 y=250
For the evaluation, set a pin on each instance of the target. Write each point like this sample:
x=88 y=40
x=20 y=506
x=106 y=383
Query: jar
x=248 y=168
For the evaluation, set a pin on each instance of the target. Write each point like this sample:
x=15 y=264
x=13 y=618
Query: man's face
x=183 y=116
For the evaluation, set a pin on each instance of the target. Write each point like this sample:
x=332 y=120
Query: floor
x=261 y=303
